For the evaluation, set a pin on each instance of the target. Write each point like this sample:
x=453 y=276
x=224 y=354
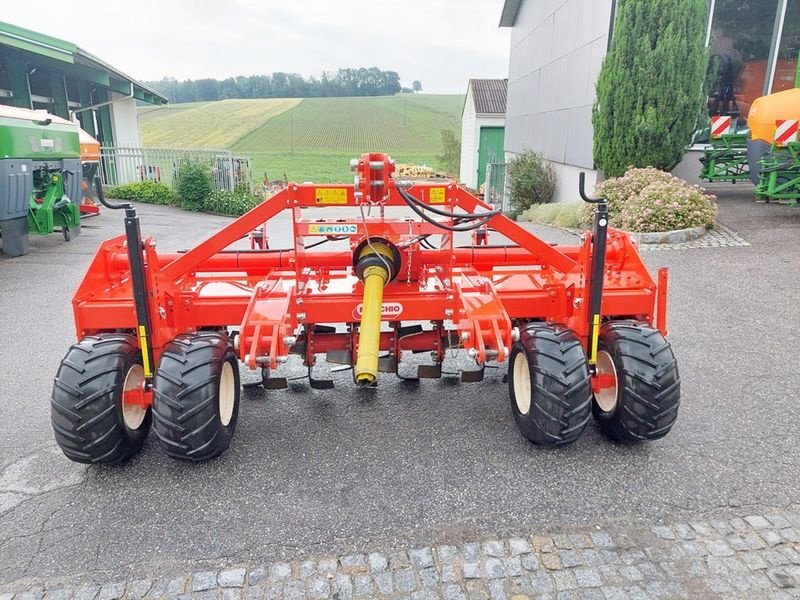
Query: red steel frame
x=478 y=293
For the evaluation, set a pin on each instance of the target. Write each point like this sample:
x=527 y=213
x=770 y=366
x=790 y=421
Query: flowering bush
x=646 y=200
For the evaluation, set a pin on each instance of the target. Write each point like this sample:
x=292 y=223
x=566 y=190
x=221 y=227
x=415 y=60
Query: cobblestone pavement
x=757 y=556
x=719 y=237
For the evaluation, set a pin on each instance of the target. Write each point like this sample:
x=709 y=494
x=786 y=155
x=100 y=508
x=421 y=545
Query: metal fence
x=128 y=164
x=495 y=186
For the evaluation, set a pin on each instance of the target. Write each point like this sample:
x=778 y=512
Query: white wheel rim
x=606 y=397
x=522 y=384
x=227 y=394
x=133 y=414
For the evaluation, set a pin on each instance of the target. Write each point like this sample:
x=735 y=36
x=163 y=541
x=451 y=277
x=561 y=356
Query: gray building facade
x=557 y=50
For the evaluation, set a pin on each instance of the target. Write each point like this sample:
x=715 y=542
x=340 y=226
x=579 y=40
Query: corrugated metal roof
x=489 y=95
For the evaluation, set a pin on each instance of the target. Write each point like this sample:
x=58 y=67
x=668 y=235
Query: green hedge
x=143 y=191
x=230 y=203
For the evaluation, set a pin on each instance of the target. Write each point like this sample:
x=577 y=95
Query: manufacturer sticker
x=47 y=143
x=389 y=311
x=331 y=196
x=332 y=229
x=437 y=196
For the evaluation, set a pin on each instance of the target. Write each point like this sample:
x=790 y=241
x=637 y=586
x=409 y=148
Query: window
x=786 y=63
x=741 y=41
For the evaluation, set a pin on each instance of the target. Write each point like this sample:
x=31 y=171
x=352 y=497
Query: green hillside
x=312 y=139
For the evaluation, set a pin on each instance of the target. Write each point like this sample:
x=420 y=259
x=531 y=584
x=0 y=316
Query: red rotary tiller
x=581 y=327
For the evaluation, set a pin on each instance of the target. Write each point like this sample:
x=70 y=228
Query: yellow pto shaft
x=369 y=333
x=374 y=265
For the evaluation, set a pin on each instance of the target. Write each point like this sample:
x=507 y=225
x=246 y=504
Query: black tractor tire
x=196 y=396
x=87 y=414
x=549 y=385
x=648 y=387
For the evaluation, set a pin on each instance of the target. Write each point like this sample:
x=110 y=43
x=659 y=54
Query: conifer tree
x=650 y=91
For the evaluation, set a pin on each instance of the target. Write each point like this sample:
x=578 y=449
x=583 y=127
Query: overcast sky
x=442 y=43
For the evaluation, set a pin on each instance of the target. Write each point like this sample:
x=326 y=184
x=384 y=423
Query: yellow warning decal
x=437 y=196
x=331 y=196
x=595 y=339
x=145 y=354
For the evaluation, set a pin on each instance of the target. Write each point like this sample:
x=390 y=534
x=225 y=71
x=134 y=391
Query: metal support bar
x=141 y=295
x=599 y=240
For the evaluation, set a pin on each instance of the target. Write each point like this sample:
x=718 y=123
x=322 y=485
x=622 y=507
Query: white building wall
x=125 y=121
x=469 y=144
x=557 y=49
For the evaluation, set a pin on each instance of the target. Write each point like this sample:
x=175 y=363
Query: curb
x=668 y=237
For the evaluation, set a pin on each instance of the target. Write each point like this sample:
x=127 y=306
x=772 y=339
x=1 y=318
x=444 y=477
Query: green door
x=490 y=149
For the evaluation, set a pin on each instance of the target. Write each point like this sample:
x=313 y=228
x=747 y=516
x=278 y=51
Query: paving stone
x=551 y=562
x=6 y=596
x=206 y=580
x=543 y=583
x=562 y=541
x=61 y=594
x=493 y=548
x=29 y=595
x=257 y=576
x=405 y=581
x=113 y=591
x=694 y=549
x=614 y=593
x=512 y=566
x=494 y=568
x=631 y=573
x=518 y=586
x=429 y=577
x=327 y=566
x=739 y=525
x=631 y=557
x=591 y=558
x=318 y=587
x=353 y=563
x=518 y=546
x=530 y=562
x=697 y=569
x=591 y=594
x=791 y=535
x=294 y=590
x=722 y=527
x=758 y=522
x=664 y=532
x=448 y=574
x=232 y=593
x=138 y=589
x=611 y=557
x=384 y=582
x=447 y=554
x=454 y=592
x=602 y=539
x=377 y=562
x=342 y=586
x=363 y=586
x=231 y=578
x=588 y=578
x=719 y=548
x=425 y=595
x=779 y=521
x=790 y=553
x=472 y=570
x=565 y=580
x=542 y=543
x=684 y=531
x=774 y=558
x=421 y=557
x=257 y=592
x=771 y=537
x=476 y=590
x=86 y=592
x=780 y=578
x=702 y=528
x=497 y=590
x=280 y=571
x=581 y=541
x=471 y=552
x=570 y=558
x=719 y=586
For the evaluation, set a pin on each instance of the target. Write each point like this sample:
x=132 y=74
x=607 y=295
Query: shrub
x=230 y=203
x=450 y=157
x=143 y=191
x=664 y=206
x=194 y=184
x=645 y=200
x=566 y=215
x=650 y=91
x=530 y=180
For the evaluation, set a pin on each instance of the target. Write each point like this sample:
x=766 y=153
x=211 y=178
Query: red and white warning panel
x=785 y=131
x=720 y=125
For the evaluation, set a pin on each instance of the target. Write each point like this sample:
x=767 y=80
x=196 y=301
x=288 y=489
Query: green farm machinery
x=40 y=177
x=725 y=159
x=780 y=175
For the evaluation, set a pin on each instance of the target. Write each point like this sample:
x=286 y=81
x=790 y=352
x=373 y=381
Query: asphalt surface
x=313 y=472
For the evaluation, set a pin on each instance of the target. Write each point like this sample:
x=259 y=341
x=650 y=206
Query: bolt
x=515 y=334
x=282 y=359
x=448 y=313
x=301 y=316
x=464 y=336
x=152 y=243
x=577 y=302
x=299 y=300
x=289 y=340
x=472 y=353
x=161 y=312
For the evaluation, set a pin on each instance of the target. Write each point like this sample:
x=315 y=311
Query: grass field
x=312 y=139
